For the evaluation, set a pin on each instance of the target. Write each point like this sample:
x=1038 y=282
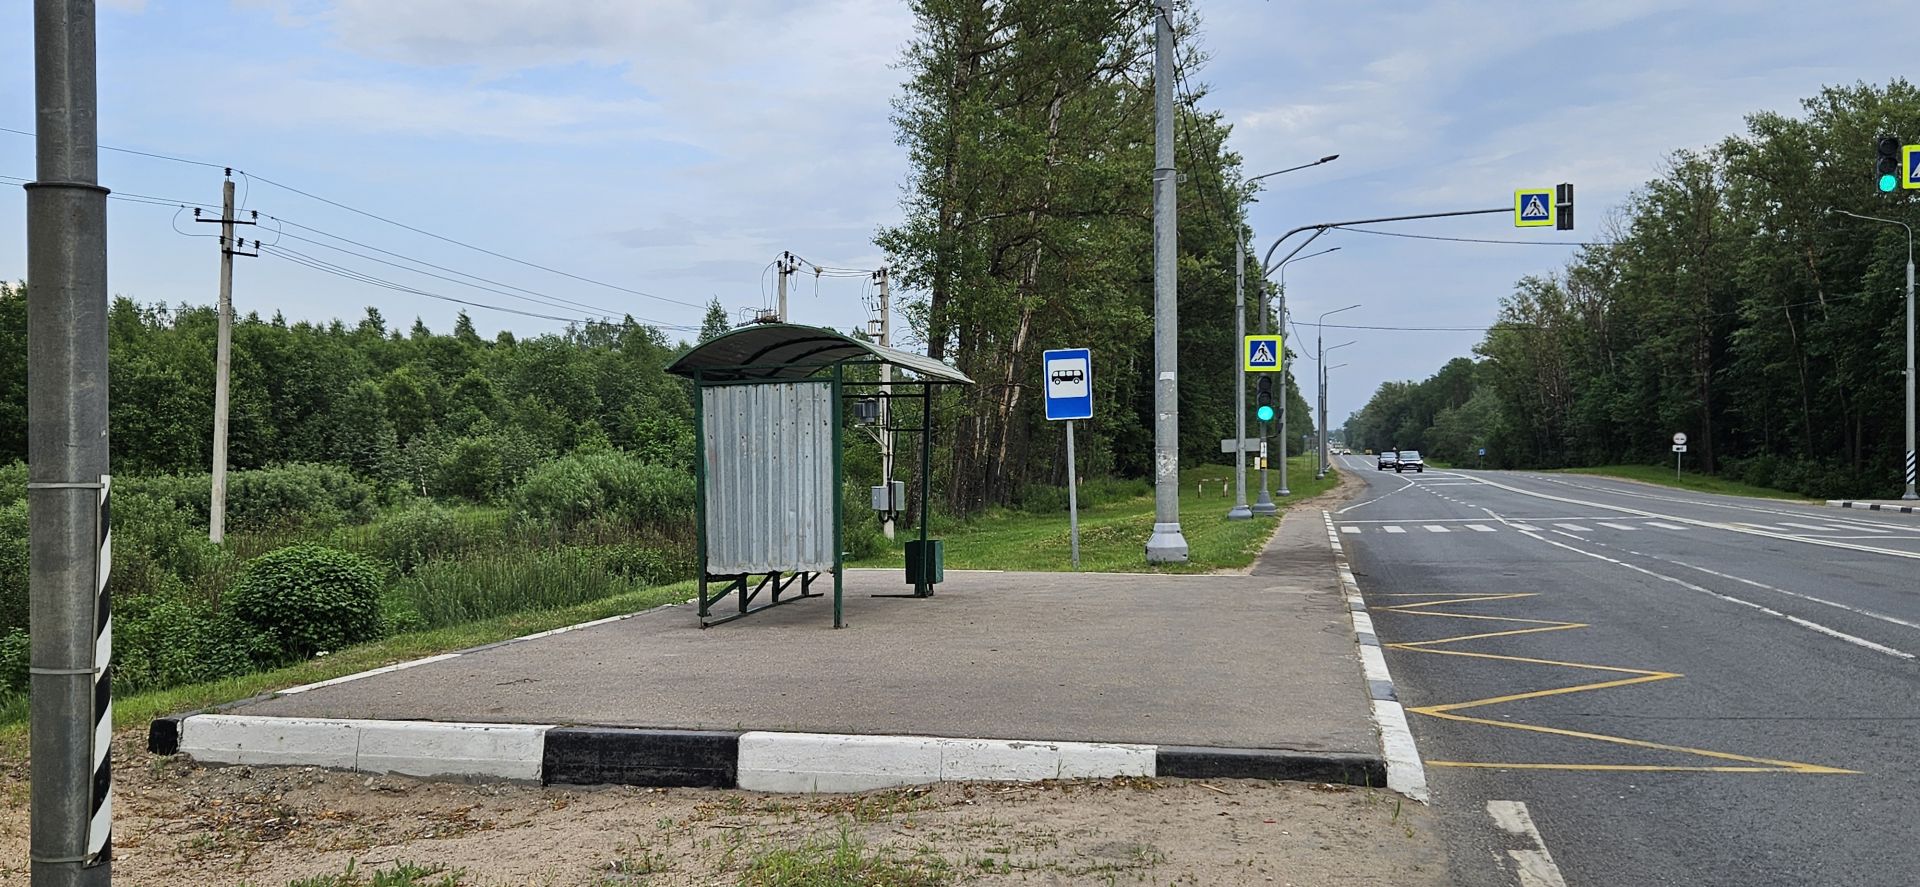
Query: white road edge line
x=1534 y=865
x=1406 y=773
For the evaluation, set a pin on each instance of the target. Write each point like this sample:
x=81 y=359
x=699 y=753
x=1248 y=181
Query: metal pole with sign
x=1067 y=374
x=1679 y=447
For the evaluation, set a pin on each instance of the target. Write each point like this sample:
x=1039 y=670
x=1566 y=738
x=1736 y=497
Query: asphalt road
x=1636 y=686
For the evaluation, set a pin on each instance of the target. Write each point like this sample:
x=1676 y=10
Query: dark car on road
x=1406 y=459
x=1388 y=459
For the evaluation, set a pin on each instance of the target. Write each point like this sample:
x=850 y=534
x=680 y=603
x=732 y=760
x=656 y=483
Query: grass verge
x=1703 y=483
x=1113 y=535
x=141 y=708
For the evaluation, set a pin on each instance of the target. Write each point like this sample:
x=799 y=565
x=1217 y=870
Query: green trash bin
x=926 y=562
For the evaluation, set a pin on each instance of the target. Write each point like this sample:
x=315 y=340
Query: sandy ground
x=182 y=825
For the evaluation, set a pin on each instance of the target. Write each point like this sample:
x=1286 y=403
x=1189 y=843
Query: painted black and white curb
x=1405 y=773
x=757 y=760
x=1874 y=506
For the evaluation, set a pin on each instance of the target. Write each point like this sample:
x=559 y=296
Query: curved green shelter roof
x=794 y=351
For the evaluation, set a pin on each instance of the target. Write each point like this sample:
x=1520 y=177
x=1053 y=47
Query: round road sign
x=1679 y=437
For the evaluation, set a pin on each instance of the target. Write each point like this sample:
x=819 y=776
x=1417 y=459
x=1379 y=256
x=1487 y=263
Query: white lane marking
x=1574 y=527
x=1392 y=529
x=1346 y=529
x=1534 y=865
x=1871 y=529
x=1794 y=594
x=1808 y=624
x=1732 y=528
x=1889 y=523
x=1525 y=529
x=1613 y=526
x=1436 y=528
x=1480 y=528
x=1814 y=527
x=1655 y=523
x=1407 y=484
x=1763 y=527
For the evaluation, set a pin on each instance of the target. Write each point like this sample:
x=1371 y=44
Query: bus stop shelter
x=769 y=417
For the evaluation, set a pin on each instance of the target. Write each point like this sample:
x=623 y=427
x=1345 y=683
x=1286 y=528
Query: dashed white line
x=1526 y=529
x=1349 y=529
x=1663 y=526
x=1436 y=528
x=1480 y=528
x=1393 y=529
x=1534 y=865
x=1574 y=527
x=1614 y=526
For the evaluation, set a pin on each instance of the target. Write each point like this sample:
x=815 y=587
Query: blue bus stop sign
x=1068 y=376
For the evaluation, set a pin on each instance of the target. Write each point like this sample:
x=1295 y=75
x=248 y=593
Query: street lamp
x=1320 y=339
x=1324 y=369
x=1240 y=511
x=1912 y=467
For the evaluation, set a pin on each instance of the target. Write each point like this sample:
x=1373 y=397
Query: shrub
x=574 y=489
x=412 y=537
x=162 y=642
x=446 y=593
x=309 y=598
x=13 y=566
x=14 y=648
x=13 y=483
x=648 y=564
x=286 y=497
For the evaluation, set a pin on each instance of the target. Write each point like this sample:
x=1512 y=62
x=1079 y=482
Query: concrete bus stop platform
x=1252 y=674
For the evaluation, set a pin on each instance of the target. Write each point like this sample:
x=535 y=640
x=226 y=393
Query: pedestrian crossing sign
x=1262 y=353
x=1533 y=208
x=1910 y=161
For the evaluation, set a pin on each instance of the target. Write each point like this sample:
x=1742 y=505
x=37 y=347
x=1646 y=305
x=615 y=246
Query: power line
x=480 y=249
x=421 y=231
x=324 y=266
x=151 y=154
x=1470 y=239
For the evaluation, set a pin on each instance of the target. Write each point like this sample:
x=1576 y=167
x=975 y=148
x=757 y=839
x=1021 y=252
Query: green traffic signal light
x=1888 y=182
x=1265 y=413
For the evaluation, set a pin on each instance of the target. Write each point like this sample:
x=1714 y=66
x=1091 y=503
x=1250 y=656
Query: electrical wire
x=421 y=231
x=1469 y=239
x=479 y=249
x=563 y=302
x=337 y=270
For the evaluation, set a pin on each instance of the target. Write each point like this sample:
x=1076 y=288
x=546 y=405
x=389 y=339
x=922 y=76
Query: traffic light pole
x=1912 y=465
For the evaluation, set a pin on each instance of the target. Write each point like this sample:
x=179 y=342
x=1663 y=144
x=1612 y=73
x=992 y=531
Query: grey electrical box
x=899 y=499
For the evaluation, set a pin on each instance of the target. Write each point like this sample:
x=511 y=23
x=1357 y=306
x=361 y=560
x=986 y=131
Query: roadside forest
x=1724 y=301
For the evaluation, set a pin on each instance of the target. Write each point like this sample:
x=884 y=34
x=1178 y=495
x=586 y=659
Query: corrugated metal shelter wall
x=769 y=452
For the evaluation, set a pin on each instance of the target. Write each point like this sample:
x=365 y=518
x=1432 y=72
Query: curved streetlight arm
x=1888 y=221
x=1327 y=159
x=1266 y=263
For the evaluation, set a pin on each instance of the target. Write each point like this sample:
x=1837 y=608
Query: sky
x=662 y=153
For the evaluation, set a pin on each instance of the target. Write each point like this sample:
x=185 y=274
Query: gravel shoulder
x=180 y=824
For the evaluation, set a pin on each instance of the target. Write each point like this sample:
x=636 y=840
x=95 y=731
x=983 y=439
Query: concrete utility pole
x=886 y=401
x=1240 y=511
x=222 y=365
x=67 y=462
x=1167 y=545
x=1913 y=463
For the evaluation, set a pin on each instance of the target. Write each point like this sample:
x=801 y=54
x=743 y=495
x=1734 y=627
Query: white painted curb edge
x=829 y=762
x=412 y=748
x=1405 y=772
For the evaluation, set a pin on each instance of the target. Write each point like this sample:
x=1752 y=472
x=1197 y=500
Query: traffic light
x=1563 y=206
x=1263 y=399
x=1887 y=168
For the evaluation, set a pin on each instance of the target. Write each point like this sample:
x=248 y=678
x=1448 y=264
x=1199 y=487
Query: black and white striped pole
x=68 y=489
